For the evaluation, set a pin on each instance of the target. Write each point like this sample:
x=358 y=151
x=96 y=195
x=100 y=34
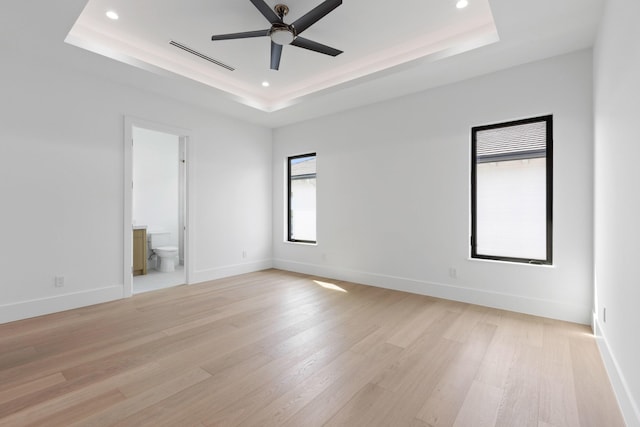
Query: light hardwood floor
x=278 y=348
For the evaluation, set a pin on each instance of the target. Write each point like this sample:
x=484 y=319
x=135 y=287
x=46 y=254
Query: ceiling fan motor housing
x=282 y=33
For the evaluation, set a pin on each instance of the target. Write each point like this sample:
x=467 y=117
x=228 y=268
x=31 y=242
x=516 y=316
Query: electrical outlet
x=604 y=315
x=453 y=273
x=244 y=254
x=324 y=257
x=59 y=281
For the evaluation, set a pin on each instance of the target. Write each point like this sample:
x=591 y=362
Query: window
x=301 y=172
x=511 y=191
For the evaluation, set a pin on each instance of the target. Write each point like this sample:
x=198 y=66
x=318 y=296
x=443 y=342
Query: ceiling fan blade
x=244 y=35
x=315 y=15
x=266 y=11
x=276 y=53
x=315 y=46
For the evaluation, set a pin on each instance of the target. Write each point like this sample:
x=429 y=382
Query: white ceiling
x=390 y=48
x=373 y=36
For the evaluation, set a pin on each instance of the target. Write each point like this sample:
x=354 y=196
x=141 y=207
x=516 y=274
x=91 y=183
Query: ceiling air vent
x=201 y=55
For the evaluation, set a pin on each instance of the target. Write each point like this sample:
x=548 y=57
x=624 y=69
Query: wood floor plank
x=412 y=392
x=418 y=355
x=80 y=410
x=362 y=408
x=342 y=340
x=462 y=328
x=327 y=403
x=11 y=358
x=413 y=326
x=242 y=411
x=558 y=404
x=276 y=348
x=74 y=355
x=47 y=402
x=284 y=404
x=520 y=400
x=480 y=406
x=137 y=402
x=15 y=391
x=443 y=405
x=209 y=397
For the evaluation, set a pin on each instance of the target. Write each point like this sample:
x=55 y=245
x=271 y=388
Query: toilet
x=159 y=245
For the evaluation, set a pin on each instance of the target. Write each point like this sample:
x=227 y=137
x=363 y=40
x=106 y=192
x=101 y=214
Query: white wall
x=61 y=184
x=393 y=191
x=617 y=199
x=155 y=181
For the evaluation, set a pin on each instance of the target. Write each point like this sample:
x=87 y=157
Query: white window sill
x=497 y=261
x=300 y=243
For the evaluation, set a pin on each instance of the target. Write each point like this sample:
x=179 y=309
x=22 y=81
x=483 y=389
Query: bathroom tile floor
x=155 y=280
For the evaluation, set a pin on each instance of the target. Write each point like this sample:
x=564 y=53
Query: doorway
x=156 y=254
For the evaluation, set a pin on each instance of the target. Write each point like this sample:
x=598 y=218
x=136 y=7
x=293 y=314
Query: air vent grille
x=201 y=55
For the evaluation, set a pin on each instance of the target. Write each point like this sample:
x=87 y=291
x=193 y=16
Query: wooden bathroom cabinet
x=139 y=252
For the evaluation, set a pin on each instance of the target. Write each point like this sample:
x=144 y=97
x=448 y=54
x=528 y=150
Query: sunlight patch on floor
x=331 y=286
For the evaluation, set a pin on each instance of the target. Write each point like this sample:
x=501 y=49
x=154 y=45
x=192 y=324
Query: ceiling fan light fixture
x=282 y=35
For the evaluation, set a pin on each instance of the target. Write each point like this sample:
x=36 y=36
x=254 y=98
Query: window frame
x=289 y=194
x=548 y=119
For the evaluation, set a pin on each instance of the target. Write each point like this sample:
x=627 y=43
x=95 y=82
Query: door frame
x=185 y=137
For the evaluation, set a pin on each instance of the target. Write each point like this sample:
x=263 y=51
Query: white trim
x=520 y=304
x=288 y=242
x=519 y=263
x=184 y=134
x=127 y=276
x=41 y=306
x=629 y=408
x=200 y=276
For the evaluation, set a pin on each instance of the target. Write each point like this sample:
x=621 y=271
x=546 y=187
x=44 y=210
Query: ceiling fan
x=282 y=33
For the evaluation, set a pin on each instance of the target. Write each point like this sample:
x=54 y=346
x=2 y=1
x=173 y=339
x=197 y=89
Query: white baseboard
x=200 y=276
x=629 y=408
x=41 y=306
x=537 y=307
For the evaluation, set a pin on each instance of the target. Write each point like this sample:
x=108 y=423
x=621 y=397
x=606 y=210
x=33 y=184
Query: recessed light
x=265 y=83
x=462 y=4
x=112 y=15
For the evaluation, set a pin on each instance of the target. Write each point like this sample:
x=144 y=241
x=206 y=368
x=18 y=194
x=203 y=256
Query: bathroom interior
x=158 y=208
